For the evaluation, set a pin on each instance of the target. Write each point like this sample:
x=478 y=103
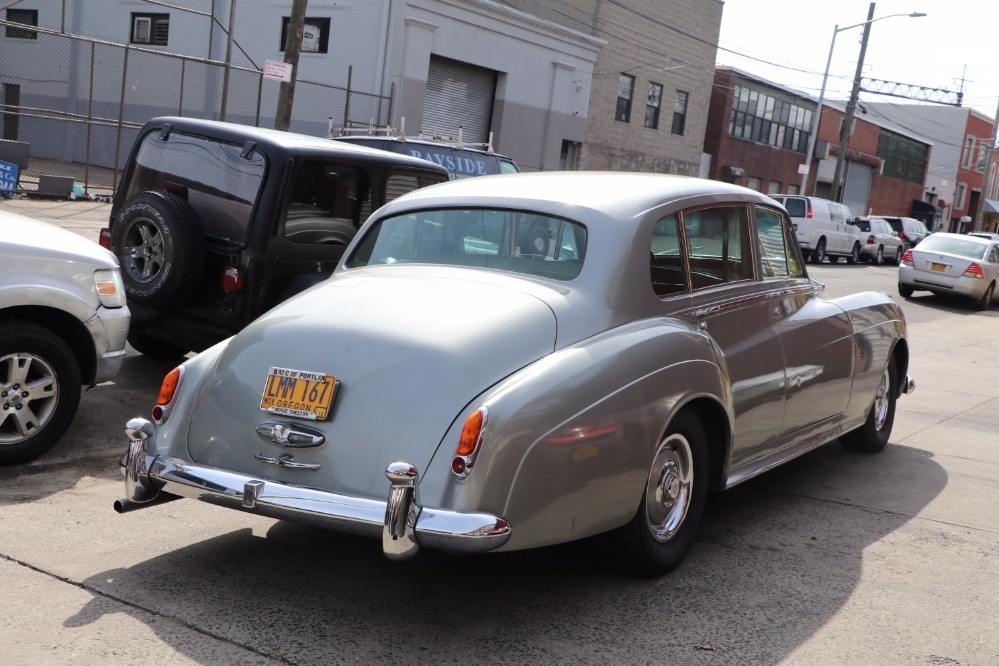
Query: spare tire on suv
x=160 y=246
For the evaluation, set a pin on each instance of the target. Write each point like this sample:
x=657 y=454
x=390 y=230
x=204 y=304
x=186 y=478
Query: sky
x=792 y=39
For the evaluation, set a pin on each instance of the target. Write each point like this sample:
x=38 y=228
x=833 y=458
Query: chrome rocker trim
x=403 y=524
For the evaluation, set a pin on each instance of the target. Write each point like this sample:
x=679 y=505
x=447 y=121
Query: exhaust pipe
x=126 y=505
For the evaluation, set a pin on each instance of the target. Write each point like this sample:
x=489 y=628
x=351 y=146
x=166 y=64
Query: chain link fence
x=79 y=102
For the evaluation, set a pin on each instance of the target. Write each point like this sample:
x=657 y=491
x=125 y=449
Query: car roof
x=621 y=195
x=977 y=239
x=287 y=142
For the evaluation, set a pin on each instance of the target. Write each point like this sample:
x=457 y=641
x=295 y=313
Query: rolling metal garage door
x=857 y=187
x=459 y=94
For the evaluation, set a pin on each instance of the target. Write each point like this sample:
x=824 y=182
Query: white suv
x=824 y=228
x=63 y=324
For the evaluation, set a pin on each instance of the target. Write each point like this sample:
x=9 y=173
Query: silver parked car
x=531 y=359
x=947 y=263
x=63 y=323
x=881 y=242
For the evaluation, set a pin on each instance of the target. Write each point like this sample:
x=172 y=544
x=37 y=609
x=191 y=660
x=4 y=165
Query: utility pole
x=851 y=110
x=292 y=47
x=228 y=59
x=989 y=171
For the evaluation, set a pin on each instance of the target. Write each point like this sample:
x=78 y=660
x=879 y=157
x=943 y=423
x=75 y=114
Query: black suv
x=215 y=223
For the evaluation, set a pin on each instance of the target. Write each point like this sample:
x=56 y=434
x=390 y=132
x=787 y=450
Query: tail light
x=975 y=271
x=469 y=443
x=232 y=280
x=902 y=236
x=105 y=238
x=808 y=209
x=907 y=258
x=871 y=240
x=164 y=399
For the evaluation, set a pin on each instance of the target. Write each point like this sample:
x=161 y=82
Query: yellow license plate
x=939 y=268
x=307 y=395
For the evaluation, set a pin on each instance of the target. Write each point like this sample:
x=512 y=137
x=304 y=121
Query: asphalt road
x=833 y=558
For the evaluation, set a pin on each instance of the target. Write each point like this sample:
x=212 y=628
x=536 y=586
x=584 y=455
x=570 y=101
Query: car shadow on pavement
x=776 y=558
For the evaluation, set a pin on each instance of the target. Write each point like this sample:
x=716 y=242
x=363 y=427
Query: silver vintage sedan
x=515 y=361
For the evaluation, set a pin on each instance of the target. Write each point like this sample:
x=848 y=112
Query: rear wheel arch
x=714 y=419
x=901 y=355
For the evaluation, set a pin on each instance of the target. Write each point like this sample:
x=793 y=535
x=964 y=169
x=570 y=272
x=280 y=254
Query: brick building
x=651 y=85
x=758 y=135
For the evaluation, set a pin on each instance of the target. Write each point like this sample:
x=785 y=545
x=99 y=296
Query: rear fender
x=569 y=439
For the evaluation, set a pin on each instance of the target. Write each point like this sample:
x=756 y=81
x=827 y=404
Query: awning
x=991 y=206
x=923 y=207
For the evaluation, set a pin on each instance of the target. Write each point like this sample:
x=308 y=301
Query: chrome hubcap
x=881 y=401
x=667 y=493
x=142 y=250
x=29 y=394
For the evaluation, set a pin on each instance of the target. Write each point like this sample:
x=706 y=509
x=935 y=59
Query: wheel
x=873 y=435
x=40 y=389
x=985 y=301
x=656 y=540
x=855 y=254
x=155 y=348
x=879 y=258
x=160 y=245
x=819 y=253
x=898 y=255
x=904 y=290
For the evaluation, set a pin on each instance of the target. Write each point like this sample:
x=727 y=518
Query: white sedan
x=947 y=263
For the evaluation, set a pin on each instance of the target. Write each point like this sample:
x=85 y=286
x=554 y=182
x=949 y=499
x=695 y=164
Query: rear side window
x=795 y=207
x=326 y=202
x=218 y=182
x=865 y=225
x=719 y=242
x=668 y=271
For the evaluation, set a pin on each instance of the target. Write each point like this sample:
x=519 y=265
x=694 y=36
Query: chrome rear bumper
x=404 y=525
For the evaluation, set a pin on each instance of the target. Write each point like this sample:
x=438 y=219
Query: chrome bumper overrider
x=404 y=525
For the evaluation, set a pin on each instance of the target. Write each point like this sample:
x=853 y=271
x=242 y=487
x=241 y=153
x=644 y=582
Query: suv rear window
x=218 y=182
x=863 y=225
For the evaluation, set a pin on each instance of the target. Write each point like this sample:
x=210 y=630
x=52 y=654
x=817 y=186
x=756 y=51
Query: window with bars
x=151 y=29
x=652 y=106
x=625 y=90
x=680 y=112
x=25 y=17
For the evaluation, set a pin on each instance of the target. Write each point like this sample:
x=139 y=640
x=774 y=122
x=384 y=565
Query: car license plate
x=939 y=268
x=300 y=393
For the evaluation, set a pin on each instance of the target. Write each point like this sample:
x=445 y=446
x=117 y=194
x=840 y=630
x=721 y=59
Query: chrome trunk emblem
x=291 y=436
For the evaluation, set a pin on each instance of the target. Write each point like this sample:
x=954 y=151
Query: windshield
x=517 y=241
x=968 y=249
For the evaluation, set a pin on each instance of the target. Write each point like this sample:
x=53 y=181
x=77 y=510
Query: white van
x=824 y=228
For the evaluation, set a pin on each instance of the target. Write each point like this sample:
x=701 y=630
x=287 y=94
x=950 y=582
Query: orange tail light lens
x=469 y=442
x=165 y=397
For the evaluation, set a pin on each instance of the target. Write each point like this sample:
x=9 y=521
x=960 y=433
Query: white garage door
x=459 y=94
x=857 y=187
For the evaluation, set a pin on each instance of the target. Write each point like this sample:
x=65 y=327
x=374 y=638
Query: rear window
x=895 y=224
x=795 y=207
x=968 y=249
x=508 y=240
x=863 y=225
x=218 y=182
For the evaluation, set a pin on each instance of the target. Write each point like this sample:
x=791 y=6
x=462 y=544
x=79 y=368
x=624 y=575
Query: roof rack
x=399 y=134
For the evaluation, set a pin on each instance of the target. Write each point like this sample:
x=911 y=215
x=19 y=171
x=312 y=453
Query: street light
x=851 y=106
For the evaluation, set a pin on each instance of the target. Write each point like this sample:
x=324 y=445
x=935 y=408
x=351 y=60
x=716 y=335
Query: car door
x=816 y=336
x=730 y=305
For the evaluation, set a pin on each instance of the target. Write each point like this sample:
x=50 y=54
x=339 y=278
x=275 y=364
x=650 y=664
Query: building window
x=773 y=187
x=625 y=88
x=983 y=155
x=962 y=190
x=765 y=118
x=315 y=34
x=753 y=183
x=969 y=150
x=652 y=106
x=150 y=29
x=793 y=189
x=26 y=17
x=569 y=158
x=679 y=112
x=902 y=158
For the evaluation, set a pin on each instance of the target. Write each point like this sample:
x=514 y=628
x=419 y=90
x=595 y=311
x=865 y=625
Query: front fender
x=569 y=439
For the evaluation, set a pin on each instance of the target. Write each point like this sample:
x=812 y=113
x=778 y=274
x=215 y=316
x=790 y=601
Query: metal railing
x=79 y=102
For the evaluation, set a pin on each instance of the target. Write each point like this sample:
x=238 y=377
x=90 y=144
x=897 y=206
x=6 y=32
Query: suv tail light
x=902 y=236
x=975 y=271
x=907 y=258
x=232 y=280
x=105 y=238
x=808 y=209
x=872 y=240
